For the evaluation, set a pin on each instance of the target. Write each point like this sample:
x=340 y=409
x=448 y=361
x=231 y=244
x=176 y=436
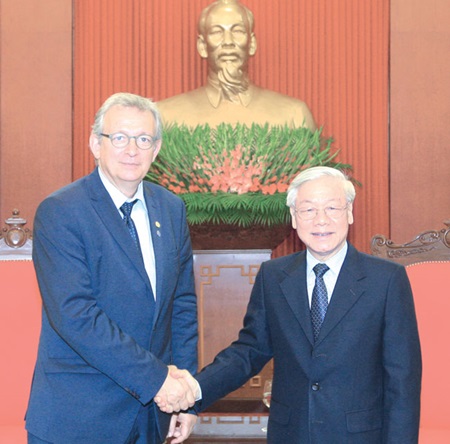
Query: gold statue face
x=227 y=42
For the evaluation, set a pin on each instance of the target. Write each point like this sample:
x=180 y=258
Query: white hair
x=131 y=101
x=316 y=173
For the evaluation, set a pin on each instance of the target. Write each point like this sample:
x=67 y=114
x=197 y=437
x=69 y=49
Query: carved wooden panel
x=224 y=280
x=430 y=245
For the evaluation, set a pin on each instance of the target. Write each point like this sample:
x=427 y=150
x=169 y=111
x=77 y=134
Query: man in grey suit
x=113 y=259
x=340 y=326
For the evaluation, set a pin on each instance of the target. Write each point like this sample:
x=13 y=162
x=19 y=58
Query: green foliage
x=237 y=209
x=237 y=174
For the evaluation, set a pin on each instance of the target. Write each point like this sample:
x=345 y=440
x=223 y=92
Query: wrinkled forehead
x=226 y=13
x=324 y=189
x=119 y=117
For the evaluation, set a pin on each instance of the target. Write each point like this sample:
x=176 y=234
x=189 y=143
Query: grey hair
x=316 y=173
x=204 y=14
x=131 y=101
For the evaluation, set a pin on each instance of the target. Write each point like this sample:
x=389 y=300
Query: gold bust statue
x=227 y=41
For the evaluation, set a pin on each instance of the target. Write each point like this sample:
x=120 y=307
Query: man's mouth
x=321 y=234
x=230 y=56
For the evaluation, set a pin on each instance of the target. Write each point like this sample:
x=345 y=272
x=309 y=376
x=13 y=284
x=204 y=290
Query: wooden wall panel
x=420 y=112
x=333 y=55
x=224 y=281
x=35 y=102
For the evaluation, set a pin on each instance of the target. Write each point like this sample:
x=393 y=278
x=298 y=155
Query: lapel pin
x=158 y=225
x=158 y=233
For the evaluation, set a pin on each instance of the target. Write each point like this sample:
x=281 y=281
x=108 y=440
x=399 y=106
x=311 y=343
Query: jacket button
x=315 y=386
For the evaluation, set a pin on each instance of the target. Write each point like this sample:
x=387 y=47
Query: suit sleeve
x=83 y=332
x=402 y=363
x=184 y=317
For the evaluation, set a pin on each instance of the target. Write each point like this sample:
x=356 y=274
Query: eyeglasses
x=311 y=213
x=121 y=140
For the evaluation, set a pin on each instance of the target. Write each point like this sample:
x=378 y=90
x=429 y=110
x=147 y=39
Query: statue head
x=226 y=40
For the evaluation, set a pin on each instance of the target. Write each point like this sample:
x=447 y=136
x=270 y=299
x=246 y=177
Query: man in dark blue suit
x=113 y=259
x=340 y=326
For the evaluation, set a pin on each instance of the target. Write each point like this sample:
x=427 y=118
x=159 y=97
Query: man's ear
x=201 y=47
x=350 y=218
x=156 y=149
x=94 y=145
x=253 y=45
x=293 y=219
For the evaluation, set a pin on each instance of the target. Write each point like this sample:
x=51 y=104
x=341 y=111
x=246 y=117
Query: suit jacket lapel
x=347 y=291
x=157 y=231
x=295 y=291
x=107 y=211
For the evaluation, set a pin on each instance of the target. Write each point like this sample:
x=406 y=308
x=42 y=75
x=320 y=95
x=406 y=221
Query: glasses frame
x=315 y=212
x=136 y=139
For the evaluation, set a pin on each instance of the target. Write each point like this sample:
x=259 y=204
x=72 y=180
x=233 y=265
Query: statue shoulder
x=271 y=96
x=189 y=98
x=187 y=108
x=289 y=109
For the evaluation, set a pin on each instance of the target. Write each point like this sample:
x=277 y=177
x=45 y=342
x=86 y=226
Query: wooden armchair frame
x=431 y=245
x=15 y=235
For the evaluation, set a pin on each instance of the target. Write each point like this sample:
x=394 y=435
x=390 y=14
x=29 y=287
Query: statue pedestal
x=233 y=237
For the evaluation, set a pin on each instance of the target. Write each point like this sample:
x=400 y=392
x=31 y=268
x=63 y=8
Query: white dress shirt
x=330 y=277
x=139 y=214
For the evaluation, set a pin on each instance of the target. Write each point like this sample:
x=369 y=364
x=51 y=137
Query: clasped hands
x=178 y=392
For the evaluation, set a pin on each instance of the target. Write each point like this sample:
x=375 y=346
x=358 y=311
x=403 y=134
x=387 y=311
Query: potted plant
x=233 y=179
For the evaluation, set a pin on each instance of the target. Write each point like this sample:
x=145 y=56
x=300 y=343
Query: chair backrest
x=431 y=245
x=20 y=316
x=430 y=282
x=427 y=261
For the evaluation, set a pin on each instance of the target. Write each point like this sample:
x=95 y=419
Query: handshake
x=179 y=391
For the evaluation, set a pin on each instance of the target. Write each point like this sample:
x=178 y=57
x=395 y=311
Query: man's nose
x=132 y=148
x=228 y=37
x=321 y=217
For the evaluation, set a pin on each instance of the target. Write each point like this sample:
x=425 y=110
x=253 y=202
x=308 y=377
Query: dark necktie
x=126 y=209
x=319 y=301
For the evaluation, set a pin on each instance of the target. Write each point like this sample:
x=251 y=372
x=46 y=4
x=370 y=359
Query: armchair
x=427 y=260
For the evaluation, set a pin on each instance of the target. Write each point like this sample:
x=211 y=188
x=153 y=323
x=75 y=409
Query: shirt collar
x=215 y=94
x=335 y=262
x=117 y=196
